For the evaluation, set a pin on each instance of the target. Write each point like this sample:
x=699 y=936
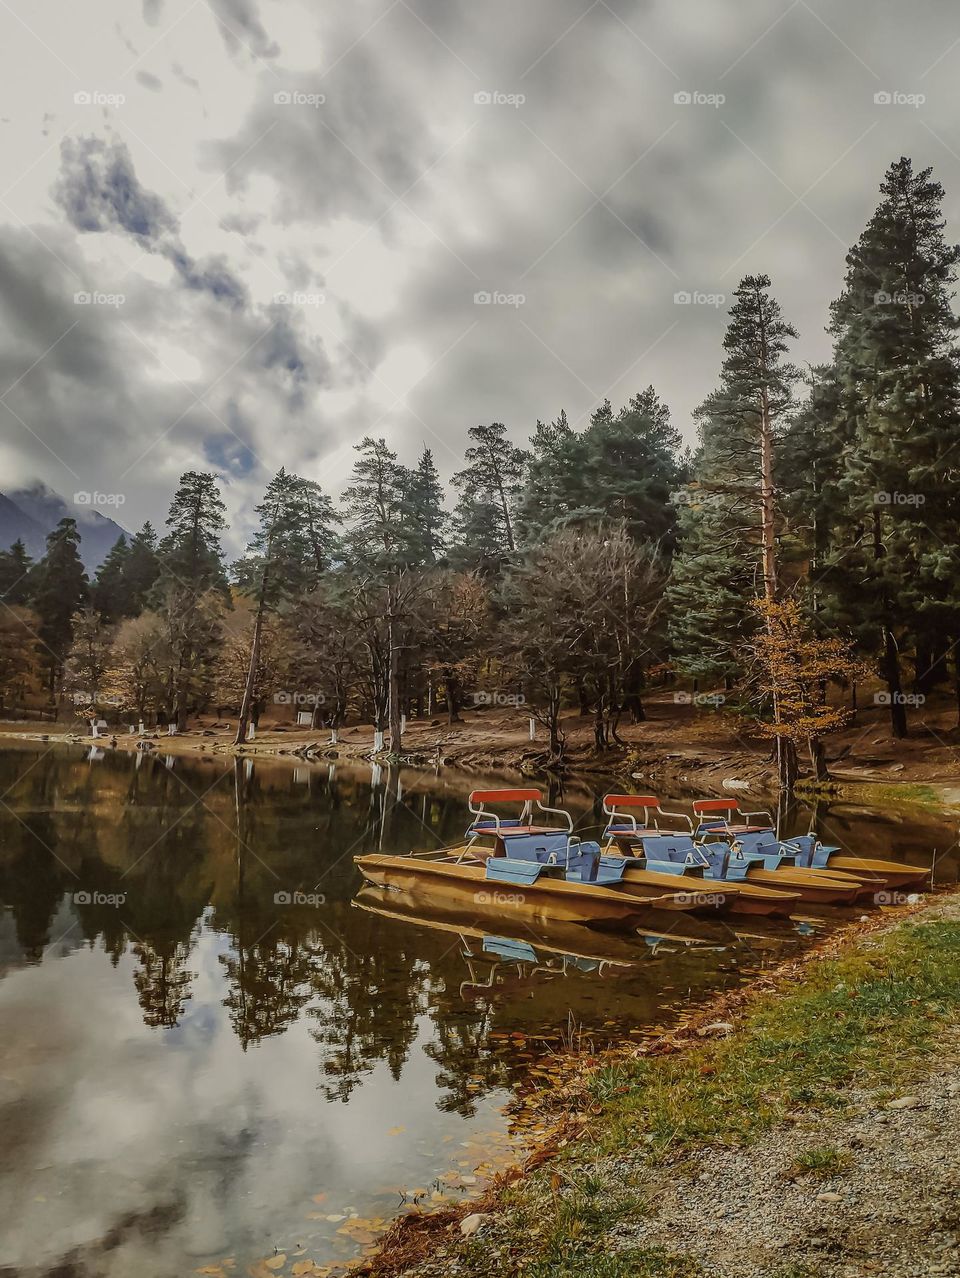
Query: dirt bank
x=677 y=746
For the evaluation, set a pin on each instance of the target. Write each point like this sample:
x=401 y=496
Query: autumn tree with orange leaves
x=796 y=666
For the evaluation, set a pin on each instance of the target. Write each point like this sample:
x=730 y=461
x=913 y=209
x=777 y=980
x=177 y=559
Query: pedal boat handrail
x=526 y=798
x=614 y=803
x=702 y=807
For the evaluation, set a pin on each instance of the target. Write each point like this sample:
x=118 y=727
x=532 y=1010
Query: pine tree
x=733 y=521
x=382 y=545
x=190 y=553
x=60 y=590
x=713 y=579
x=894 y=567
x=319 y=517
x=281 y=565
x=808 y=472
x=191 y=570
x=15 y=566
x=553 y=486
x=629 y=467
x=291 y=547
x=374 y=505
x=108 y=594
x=493 y=477
x=423 y=501
x=140 y=570
x=478 y=544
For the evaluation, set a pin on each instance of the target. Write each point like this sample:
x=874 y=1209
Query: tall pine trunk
x=247 y=703
x=453 y=698
x=786 y=750
x=891 y=672
x=818 y=759
x=393 y=693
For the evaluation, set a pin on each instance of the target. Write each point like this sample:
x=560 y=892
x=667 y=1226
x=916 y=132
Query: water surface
x=215 y=1045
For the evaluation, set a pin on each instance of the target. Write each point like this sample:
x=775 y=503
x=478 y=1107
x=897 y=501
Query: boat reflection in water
x=497 y=958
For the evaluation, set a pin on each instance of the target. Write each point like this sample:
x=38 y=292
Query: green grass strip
x=864 y=1020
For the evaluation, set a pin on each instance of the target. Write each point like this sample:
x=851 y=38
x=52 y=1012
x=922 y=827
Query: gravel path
x=893 y=1210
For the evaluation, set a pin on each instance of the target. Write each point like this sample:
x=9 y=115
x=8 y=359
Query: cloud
x=238 y=22
x=123 y=398
x=178 y=71
x=99 y=190
x=351 y=154
x=241 y=28
x=378 y=181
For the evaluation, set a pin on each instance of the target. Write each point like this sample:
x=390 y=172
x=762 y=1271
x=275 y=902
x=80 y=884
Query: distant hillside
x=15 y=523
x=31 y=513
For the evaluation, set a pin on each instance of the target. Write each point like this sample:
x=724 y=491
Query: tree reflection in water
x=211 y=856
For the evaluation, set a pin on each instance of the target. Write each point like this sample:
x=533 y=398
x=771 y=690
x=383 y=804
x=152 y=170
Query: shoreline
x=496 y=749
x=485 y=1235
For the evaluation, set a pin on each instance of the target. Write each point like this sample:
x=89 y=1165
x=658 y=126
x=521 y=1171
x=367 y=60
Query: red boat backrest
x=715 y=805
x=631 y=801
x=504 y=796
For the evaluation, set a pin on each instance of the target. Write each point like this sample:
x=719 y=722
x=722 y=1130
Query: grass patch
x=631 y=1262
x=820 y=1164
x=882 y=793
x=863 y=1020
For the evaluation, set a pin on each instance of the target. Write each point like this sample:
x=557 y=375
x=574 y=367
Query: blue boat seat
x=611 y=869
x=504 y=869
x=715 y=860
x=766 y=845
x=676 y=867
x=579 y=860
x=810 y=853
x=540 y=847
x=668 y=847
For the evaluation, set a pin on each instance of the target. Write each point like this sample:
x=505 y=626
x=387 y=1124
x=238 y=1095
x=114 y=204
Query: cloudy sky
x=239 y=234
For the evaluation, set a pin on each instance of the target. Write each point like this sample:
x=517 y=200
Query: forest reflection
x=134 y=856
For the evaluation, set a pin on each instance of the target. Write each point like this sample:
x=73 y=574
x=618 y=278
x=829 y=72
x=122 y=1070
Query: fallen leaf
x=276 y=1262
x=396 y=1131
x=470 y=1224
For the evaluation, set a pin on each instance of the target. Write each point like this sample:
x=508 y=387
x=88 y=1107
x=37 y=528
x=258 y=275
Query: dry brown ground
x=677 y=742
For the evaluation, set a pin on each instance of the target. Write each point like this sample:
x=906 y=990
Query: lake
x=215 y=1052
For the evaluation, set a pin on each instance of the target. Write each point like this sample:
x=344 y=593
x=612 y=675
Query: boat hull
x=884 y=874
x=547 y=898
x=749 y=898
x=810 y=886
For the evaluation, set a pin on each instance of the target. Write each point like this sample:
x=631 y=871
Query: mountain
x=15 y=523
x=32 y=512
